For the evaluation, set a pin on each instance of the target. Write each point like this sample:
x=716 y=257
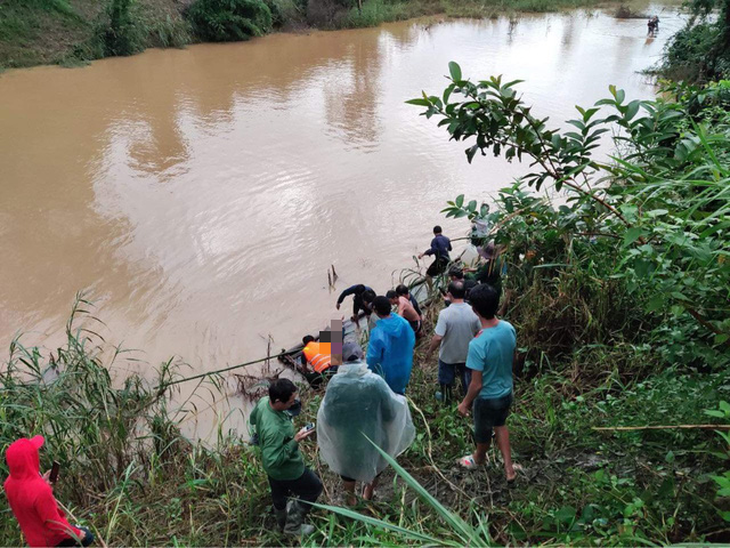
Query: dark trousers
x=448 y=373
x=306 y=487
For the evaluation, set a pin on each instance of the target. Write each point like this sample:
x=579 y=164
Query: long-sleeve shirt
x=440 y=246
x=279 y=452
x=356 y=290
x=31 y=498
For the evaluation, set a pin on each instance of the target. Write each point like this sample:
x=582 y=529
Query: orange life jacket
x=319 y=355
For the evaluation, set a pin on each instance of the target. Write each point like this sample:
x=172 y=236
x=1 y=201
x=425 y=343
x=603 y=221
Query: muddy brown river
x=199 y=196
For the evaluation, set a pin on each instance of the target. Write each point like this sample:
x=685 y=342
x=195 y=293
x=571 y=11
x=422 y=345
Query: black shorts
x=415 y=325
x=489 y=413
x=437 y=267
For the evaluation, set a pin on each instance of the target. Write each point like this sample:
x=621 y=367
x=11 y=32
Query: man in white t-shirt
x=456 y=327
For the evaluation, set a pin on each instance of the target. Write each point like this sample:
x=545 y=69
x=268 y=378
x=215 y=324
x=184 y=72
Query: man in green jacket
x=282 y=461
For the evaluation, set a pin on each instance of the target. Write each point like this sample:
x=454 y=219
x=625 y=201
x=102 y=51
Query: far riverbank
x=73 y=32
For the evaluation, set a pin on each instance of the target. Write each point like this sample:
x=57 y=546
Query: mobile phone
x=309 y=427
x=54 y=472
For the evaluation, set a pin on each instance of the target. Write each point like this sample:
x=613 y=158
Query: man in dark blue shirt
x=440 y=247
x=362 y=299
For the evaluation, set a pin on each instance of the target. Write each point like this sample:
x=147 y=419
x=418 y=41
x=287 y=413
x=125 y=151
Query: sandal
x=469 y=463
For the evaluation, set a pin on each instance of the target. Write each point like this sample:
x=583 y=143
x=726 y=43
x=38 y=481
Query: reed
x=129 y=474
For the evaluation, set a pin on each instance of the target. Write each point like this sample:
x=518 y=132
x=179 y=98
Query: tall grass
x=128 y=473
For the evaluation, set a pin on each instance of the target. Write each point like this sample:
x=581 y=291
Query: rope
x=166 y=385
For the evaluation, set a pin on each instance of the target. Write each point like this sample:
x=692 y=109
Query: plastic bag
x=359 y=403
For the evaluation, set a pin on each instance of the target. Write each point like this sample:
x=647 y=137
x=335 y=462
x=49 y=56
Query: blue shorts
x=489 y=413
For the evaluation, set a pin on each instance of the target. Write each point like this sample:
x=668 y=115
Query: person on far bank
x=282 y=459
x=489 y=396
x=440 y=247
x=456 y=327
x=390 y=350
x=405 y=310
x=31 y=499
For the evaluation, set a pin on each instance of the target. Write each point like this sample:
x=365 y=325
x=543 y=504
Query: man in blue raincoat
x=390 y=351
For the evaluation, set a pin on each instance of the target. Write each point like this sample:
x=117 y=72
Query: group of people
x=364 y=405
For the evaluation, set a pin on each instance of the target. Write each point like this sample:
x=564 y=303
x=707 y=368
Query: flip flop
x=469 y=463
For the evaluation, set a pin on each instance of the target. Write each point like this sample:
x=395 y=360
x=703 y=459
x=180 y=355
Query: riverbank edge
x=218 y=495
x=62 y=38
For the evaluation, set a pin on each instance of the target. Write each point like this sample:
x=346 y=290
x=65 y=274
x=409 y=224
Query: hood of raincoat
x=31 y=498
x=393 y=324
x=22 y=458
x=353 y=369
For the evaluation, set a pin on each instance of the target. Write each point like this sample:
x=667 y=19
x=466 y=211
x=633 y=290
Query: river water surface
x=200 y=195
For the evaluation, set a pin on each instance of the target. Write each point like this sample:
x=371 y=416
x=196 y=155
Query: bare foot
x=368 y=491
x=512 y=473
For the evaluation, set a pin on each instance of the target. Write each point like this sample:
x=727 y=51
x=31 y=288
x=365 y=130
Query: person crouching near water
x=358 y=405
x=390 y=350
x=272 y=425
x=489 y=396
x=31 y=499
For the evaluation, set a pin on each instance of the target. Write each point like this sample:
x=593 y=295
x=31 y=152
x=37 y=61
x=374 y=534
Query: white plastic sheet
x=359 y=403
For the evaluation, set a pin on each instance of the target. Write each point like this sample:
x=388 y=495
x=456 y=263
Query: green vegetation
x=74 y=31
x=700 y=52
x=619 y=289
x=229 y=20
x=619 y=292
x=70 y=32
x=129 y=474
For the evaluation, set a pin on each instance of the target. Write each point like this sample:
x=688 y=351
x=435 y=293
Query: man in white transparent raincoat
x=359 y=403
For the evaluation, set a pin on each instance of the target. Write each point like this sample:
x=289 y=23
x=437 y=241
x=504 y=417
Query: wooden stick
x=684 y=426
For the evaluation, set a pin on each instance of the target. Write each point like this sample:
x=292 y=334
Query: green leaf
x=632 y=234
x=566 y=515
x=380 y=524
x=455 y=71
x=459 y=200
x=419 y=102
x=713 y=413
x=632 y=109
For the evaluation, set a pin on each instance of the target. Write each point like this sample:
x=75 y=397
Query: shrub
x=229 y=20
x=125 y=34
x=686 y=56
x=286 y=12
x=639 y=243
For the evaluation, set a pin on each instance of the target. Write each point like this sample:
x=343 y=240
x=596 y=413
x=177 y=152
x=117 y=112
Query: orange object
x=319 y=355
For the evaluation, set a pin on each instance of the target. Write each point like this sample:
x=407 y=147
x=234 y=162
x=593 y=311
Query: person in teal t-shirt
x=490 y=391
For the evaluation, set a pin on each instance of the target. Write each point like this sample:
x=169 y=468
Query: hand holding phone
x=305 y=432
